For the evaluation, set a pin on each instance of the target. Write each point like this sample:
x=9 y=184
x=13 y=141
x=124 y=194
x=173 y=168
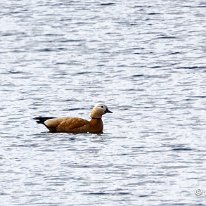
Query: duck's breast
x=96 y=126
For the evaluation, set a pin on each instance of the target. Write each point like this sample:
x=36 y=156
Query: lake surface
x=146 y=60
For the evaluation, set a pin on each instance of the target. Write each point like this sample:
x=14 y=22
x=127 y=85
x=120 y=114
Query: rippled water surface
x=146 y=60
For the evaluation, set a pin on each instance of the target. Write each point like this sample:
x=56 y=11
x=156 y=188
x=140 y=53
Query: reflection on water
x=145 y=60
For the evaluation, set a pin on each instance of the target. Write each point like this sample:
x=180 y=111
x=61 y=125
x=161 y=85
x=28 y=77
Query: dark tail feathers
x=41 y=120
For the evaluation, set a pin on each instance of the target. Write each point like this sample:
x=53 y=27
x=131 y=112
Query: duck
x=76 y=124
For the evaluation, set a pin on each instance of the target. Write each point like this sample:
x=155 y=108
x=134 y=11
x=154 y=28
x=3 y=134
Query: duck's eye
x=102 y=107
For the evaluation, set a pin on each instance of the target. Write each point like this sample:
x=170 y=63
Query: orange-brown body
x=75 y=124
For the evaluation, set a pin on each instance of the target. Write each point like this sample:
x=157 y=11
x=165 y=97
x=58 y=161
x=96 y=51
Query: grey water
x=146 y=60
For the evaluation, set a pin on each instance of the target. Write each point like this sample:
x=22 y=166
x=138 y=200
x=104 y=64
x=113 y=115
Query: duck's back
x=68 y=124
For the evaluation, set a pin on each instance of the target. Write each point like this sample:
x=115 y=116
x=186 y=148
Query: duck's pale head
x=99 y=110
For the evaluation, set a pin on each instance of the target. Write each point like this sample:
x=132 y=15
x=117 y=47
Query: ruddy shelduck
x=76 y=124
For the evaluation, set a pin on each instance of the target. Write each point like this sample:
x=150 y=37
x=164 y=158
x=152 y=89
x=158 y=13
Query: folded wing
x=66 y=124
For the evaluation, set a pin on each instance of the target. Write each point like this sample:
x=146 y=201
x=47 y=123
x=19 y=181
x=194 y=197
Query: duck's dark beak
x=107 y=111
